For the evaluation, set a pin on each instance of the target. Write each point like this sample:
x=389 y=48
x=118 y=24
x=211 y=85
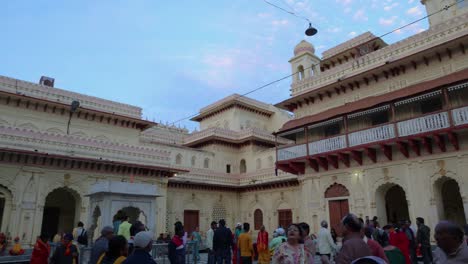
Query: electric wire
x=317 y=64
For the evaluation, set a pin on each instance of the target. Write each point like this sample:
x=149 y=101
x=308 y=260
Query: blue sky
x=173 y=57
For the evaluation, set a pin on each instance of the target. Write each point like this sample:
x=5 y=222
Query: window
x=300 y=72
x=258 y=219
x=259 y=163
x=194 y=159
x=284 y=218
x=243 y=166
x=379 y=118
x=178 y=159
x=331 y=130
x=206 y=163
x=228 y=168
x=431 y=105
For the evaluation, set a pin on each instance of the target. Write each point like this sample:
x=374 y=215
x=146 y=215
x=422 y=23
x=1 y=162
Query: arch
x=193 y=161
x=206 y=163
x=29 y=126
x=336 y=190
x=55 y=130
x=61 y=210
x=300 y=72
x=258 y=219
x=448 y=200
x=259 y=163
x=101 y=138
x=132 y=212
x=391 y=203
x=243 y=166
x=6 y=200
x=178 y=159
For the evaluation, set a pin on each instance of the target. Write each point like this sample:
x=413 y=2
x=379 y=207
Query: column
x=161 y=205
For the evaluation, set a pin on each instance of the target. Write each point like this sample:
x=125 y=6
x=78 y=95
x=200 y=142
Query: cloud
x=390 y=6
x=388 y=21
x=410 y=1
x=280 y=22
x=334 y=29
x=347 y=10
x=263 y=15
x=360 y=15
x=415 y=11
x=352 y=34
x=344 y=2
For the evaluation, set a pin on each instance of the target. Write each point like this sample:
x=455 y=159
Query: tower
x=304 y=62
x=433 y=6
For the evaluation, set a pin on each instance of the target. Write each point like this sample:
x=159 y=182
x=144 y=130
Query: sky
x=172 y=58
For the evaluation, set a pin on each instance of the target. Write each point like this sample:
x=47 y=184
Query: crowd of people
x=358 y=242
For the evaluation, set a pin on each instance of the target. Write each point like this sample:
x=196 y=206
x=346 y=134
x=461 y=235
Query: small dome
x=302 y=47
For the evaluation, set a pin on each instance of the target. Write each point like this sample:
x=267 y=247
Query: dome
x=302 y=47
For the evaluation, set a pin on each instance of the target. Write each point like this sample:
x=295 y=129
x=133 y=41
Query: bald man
x=453 y=249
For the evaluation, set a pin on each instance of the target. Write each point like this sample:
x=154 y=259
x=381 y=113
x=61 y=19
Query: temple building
x=370 y=128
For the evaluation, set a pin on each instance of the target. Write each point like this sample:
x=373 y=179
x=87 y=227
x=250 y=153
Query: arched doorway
x=61 y=211
x=391 y=203
x=449 y=201
x=133 y=213
x=5 y=207
x=338 y=204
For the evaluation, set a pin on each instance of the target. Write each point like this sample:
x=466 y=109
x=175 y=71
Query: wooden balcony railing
x=423 y=124
x=327 y=145
x=371 y=135
x=293 y=152
x=414 y=126
x=460 y=116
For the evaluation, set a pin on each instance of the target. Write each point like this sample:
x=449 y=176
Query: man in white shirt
x=209 y=242
x=325 y=243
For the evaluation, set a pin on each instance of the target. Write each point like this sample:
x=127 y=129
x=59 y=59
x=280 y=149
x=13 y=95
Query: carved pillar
x=161 y=210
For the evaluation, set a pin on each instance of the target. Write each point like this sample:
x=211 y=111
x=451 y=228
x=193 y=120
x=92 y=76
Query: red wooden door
x=191 y=220
x=338 y=209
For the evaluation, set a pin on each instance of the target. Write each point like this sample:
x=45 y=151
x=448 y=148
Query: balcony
x=412 y=132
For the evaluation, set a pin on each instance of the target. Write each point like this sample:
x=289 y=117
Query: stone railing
x=460 y=116
x=293 y=152
x=204 y=176
x=371 y=135
x=234 y=135
x=326 y=145
x=59 y=144
x=442 y=33
x=236 y=97
x=264 y=176
x=423 y=124
x=58 y=95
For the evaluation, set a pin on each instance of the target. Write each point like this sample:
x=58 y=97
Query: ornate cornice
x=63 y=96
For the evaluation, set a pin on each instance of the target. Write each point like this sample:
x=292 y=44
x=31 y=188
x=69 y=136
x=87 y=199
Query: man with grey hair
x=452 y=247
x=102 y=243
x=354 y=246
x=326 y=245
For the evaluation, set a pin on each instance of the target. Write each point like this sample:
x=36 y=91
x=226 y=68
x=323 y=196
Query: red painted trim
x=333 y=160
x=439 y=140
x=453 y=138
x=357 y=156
x=313 y=164
x=387 y=150
x=372 y=154
x=344 y=157
x=414 y=144
x=403 y=147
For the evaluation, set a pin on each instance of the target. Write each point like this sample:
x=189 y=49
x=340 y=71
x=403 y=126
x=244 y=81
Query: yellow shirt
x=244 y=243
x=124 y=229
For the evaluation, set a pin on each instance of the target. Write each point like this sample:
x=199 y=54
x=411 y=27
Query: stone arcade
x=376 y=129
